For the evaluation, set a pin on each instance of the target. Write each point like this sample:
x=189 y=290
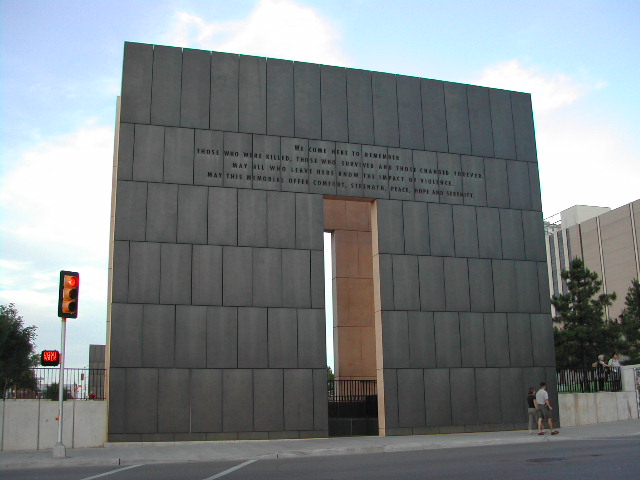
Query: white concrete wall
x=586 y=408
x=32 y=424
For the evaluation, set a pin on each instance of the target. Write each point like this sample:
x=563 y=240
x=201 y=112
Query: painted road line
x=111 y=472
x=232 y=469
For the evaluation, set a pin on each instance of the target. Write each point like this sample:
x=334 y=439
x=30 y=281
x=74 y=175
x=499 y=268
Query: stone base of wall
x=587 y=408
x=32 y=424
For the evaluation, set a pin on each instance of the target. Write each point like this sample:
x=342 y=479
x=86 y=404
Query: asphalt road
x=602 y=459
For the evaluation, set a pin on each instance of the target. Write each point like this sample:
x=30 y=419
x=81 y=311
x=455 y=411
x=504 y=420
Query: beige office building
x=606 y=239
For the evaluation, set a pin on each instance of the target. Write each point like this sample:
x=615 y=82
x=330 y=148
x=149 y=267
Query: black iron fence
x=353 y=398
x=42 y=382
x=588 y=380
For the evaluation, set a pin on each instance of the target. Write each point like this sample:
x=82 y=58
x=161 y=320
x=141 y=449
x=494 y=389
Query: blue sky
x=60 y=69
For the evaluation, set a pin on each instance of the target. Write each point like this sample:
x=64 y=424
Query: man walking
x=544 y=409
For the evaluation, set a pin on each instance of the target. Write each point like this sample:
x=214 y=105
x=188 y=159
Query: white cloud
x=275 y=28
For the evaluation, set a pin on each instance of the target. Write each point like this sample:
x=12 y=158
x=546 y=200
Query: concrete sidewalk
x=137 y=453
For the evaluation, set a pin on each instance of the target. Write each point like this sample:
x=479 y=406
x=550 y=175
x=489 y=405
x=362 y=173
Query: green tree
x=630 y=322
x=581 y=332
x=16 y=351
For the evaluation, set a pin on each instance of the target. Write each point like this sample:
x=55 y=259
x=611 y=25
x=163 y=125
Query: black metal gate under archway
x=353 y=408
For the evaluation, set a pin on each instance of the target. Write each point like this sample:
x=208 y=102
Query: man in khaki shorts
x=544 y=409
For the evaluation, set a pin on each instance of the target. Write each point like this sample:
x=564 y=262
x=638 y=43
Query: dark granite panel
x=502 y=123
x=178 y=155
x=422 y=346
x=375 y=172
x=322 y=167
x=390 y=397
x=480 y=121
x=237 y=276
x=141 y=403
x=349 y=170
x=496 y=339
x=473 y=180
x=317 y=279
x=222 y=337
x=400 y=174
x=534 y=185
x=306 y=86
x=416 y=228
x=268 y=405
x=206 y=279
x=137 y=75
x=531 y=378
x=280 y=110
x=386 y=281
x=237 y=400
x=196 y=88
x=472 y=347
x=206 y=400
x=519 y=193
x=406 y=284
x=120 y=280
x=489 y=235
x=411 y=411
x=390 y=226
x=281 y=216
x=191 y=336
x=320 y=403
x=543 y=288
x=395 y=339
x=385 y=109
x=520 y=348
x=162 y=212
x=552 y=389
x=165 y=97
x=523 y=126
x=224 y=91
x=252 y=94
x=459 y=137
x=456 y=281
x=309 y=222
x=447 y=329
x=295 y=164
x=533 y=229
x=282 y=338
x=426 y=176
x=252 y=218
x=511 y=395
x=298 y=399
x=311 y=339
x=409 y=112
x=238 y=165
x=463 y=403
x=542 y=340
x=481 y=285
x=437 y=396
x=117 y=394
x=434 y=119
x=192 y=214
x=174 y=412
x=504 y=285
x=208 y=163
x=131 y=211
x=148 y=151
x=432 y=296
x=267 y=277
x=359 y=106
x=252 y=338
x=144 y=272
x=126 y=334
x=487 y=385
x=441 y=230
x=175 y=270
x=333 y=97
x=222 y=222
x=527 y=287
x=497 y=182
x=465 y=231
x=158 y=336
x=125 y=143
x=512 y=234
x=450 y=188
x=296 y=284
x=266 y=174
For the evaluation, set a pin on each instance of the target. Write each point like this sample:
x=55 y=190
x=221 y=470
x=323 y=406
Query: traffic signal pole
x=59 y=450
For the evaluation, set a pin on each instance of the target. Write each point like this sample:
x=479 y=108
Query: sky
x=61 y=67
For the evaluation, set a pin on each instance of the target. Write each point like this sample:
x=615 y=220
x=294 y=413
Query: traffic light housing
x=68 y=295
x=50 y=358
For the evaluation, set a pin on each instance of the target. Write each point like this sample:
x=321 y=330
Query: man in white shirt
x=544 y=409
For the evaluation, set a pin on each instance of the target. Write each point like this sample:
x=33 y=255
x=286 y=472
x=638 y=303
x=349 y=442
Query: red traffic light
x=68 y=294
x=50 y=358
x=72 y=281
